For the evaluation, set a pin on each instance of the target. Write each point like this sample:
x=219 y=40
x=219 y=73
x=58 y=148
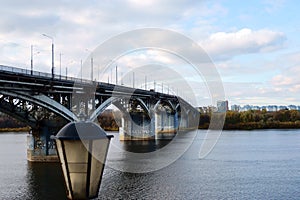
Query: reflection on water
x=144 y=146
x=45 y=181
x=243 y=165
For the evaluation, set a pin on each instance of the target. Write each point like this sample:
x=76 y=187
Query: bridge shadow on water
x=137 y=146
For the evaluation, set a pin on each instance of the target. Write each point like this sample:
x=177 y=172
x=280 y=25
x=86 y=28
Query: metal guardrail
x=41 y=74
x=49 y=75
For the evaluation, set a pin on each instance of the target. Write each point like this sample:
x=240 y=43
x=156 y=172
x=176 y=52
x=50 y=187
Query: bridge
x=46 y=103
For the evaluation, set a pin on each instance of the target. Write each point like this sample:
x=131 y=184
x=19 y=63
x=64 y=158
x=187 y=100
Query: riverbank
x=21 y=129
x=247 y=120
x=255 y=119
x=256 y=126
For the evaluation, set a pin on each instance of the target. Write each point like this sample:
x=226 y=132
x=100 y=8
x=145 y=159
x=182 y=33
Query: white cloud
x=282 y=80
x=77 y=25
x=224 y=45
x=287 y=77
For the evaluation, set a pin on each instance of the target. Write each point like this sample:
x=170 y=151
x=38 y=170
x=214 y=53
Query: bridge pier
x=165 y=125
x=40 y=148
x=136 y=127
x=162 y=125
x=188 y=121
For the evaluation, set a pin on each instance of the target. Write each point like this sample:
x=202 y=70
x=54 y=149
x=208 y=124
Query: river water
x=261 y=164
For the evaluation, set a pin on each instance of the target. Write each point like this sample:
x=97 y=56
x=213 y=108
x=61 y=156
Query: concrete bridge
x=46 y=102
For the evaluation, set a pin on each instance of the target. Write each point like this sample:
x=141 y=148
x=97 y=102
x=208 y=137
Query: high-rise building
x=235 y=107
x=222 y=106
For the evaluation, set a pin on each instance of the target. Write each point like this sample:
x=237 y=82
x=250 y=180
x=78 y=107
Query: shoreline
x=256 y=126
x=21 y=129
x=203 y=127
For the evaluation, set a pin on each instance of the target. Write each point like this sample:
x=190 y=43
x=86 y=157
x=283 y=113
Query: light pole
x=92 y=63
x=116 y=74
x=122 y=78
x=52 y=70
x=81 y=68
x=67 y=68
x=98 y=73
x=111 y=76
x=31 y=59
x=60 y=65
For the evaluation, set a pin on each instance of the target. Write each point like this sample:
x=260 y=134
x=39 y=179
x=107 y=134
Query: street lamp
x=52 y=69
x=31 y=59
x=92 y=63
x=116 y=74
x=82 y=148
x=67 y=68
x=81 y=69
x=60 y=54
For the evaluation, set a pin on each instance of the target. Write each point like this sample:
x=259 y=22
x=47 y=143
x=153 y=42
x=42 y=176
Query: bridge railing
x=41 y=74
x=49 y=75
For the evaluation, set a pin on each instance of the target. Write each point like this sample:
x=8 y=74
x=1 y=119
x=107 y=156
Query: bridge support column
x=183 y=123
x=176 y=121
x=165 y=125
x=137 y=127
x=40 y=148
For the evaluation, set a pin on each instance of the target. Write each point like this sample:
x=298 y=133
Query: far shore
x=243 y=126
x=22 y=129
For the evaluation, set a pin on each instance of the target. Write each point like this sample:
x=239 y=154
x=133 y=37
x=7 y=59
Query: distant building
x=222 y=106
x=256 y=108
x=283 y=108
x=272 y=108
x=246 y=108
x=292 y=107
x=207 y=109
x=235 y=107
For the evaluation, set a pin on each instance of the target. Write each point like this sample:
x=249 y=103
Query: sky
x=253 y=45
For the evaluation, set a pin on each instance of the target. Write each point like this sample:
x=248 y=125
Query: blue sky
x=254 y=45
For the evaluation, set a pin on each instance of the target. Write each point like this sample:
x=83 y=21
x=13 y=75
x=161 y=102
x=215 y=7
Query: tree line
x=246 y=120
x=256 y=119
x=8 y=123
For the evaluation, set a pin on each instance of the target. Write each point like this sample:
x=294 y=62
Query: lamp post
x=60 y=65
x=111 y=76
x=116 y=74
x=81 y=69
x=31 y=59
x=92 y=63
x=52 y=69
x=70 y=62
x=82 y=148
x=66 y=73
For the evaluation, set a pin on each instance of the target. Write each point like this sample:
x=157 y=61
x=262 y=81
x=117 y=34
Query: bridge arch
x=116 y=102
x=164 y=104
x=40 y=100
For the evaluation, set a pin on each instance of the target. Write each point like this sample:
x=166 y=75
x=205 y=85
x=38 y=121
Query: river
x=262 y=164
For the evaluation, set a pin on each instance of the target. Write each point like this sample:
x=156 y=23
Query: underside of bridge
x=46 y=105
